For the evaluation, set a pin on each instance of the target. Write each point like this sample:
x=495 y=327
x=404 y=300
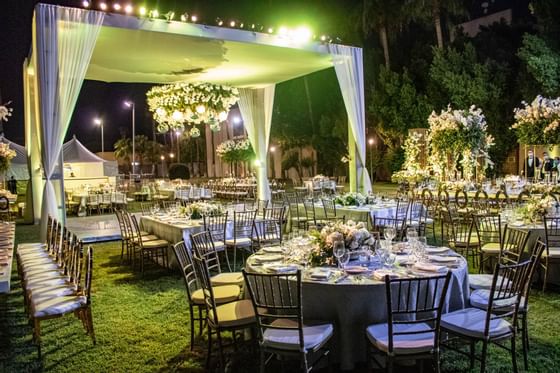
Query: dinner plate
x=281 y=268
x=436 y=250
x=442 y=258
x=355 y=270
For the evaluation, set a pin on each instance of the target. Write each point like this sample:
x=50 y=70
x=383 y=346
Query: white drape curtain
x=64 y=40
x=256 y=106
x=348 y=65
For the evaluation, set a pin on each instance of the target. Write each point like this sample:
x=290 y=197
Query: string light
x=299 y=35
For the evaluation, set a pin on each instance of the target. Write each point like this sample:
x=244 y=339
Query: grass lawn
x=141 y=325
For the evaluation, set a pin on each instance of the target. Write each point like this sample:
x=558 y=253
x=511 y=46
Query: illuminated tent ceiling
x=134 y=50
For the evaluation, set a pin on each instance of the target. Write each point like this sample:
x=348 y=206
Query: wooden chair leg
x=37 y=335
x=90 y=323
x=483 y=357
x=209 y=352
x=513 y=355
x=192 y=320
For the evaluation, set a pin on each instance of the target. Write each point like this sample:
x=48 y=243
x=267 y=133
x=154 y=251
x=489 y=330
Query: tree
x=542 y=63
x=147 y=151
x=397 y=106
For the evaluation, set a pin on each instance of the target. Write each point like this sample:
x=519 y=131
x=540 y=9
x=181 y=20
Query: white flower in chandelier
x=194 y=132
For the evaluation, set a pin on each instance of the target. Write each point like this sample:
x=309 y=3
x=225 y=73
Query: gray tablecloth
x=352 y=307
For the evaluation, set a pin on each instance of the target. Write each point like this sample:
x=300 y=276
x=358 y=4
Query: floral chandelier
x=176 y=105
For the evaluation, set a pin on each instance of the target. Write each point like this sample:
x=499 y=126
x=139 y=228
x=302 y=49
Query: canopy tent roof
x=74 y=151
x=71 y=44
x=21 y=153
x=162 y=52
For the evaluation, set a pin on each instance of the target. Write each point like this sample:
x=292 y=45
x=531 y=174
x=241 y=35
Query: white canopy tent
x=70 y=45
x=80 y=161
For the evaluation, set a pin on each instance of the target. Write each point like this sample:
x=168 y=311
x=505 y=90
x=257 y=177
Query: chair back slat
x=185 y=261
x=203 y=246
x=422 y=304
x=277 y=300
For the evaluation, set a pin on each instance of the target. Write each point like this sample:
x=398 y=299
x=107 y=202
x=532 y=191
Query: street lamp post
x=99 y=122
x=272 y=170
x=371 y=141
x=130 y=104
x=162 y=165
x=178 y=133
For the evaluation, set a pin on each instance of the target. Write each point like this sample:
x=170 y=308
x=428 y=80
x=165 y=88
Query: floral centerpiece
x=539 y=122
x=410 y=176
x=350 y=199
x=458 y=132
x=6 y=155
x=536 y=207
x=354 y=235
x=235 y=150
x=537 y=188
x=411 y=172
x=175 y=105
x=320 y=178
x=198 y=209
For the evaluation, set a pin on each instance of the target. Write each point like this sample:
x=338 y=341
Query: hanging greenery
x=179 y=104
x=235 y=150
x=6 y=155
x=538 y=123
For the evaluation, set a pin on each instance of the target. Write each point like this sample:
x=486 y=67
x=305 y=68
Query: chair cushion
x=219 y=245
x=40 y=268
x=57 y=306
x=402 y=344
x=242 y=241
x=480 y=281
x=51 y=281
x=234 y=314
x=471 y=322
x=314 y=336
x=228 y=278
x=491 y=248
x=479 y=299
x=553 y=252
x=222 y=294
x=154 y=244
x=147 y=238
x=42 y=294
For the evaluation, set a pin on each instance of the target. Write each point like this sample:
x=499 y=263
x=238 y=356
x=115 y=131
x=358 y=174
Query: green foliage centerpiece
x=538 y=123
x=354 y=235
x=179 y=104
x=198 y=209
x=350 y=199
x=457 y=132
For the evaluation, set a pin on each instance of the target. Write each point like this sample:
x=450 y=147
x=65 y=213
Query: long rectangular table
x=6 y=255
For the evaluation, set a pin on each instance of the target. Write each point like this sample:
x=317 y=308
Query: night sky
x=104 y=100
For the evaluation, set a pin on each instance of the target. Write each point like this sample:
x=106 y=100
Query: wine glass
x=338 y=250
x=389 y=233
x=344 y=258
x=390 y=260
x=411 y=234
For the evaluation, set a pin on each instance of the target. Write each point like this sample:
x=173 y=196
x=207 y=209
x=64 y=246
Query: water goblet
x=390 y=260
x=338 y=250
x=345 y=258
x=389 y=233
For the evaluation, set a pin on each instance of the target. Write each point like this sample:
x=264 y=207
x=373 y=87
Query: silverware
x=341 y=278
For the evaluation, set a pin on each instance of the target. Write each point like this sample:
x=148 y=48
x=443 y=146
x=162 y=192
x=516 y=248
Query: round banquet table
x=351 y=305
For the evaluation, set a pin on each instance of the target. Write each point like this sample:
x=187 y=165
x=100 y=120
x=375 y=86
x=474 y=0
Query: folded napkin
x=268 y=258
x=379 y=274
x=427 y=267
x=321 y=274
x=442 y=258
x=281 y=268
x=437 y=250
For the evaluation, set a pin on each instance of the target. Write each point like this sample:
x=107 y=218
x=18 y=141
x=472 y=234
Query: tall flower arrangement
x=411 y=172
x=5 y=112
x=538 y=123
x=6 y=156
x=235 y=150
x=458 y=132
x=179 y=104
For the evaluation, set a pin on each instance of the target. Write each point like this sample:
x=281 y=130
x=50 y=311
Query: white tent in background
x=18 y=168
x=79 y=161
x=70 y=45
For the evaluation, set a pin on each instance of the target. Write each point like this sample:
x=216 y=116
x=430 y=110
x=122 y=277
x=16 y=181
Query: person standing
x=531 y=163
x=546 y=166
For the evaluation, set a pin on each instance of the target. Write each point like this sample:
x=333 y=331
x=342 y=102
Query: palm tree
x=123 y=150
x=381 y=16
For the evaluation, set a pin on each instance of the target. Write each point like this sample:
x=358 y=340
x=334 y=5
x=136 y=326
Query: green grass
x=141 y=325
